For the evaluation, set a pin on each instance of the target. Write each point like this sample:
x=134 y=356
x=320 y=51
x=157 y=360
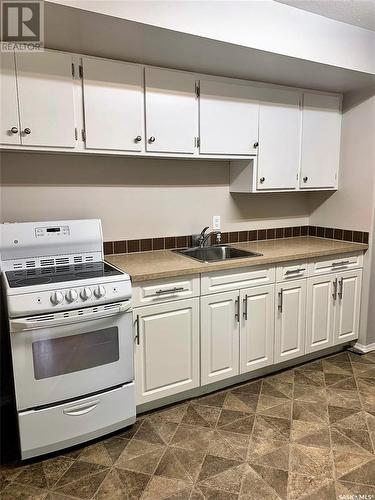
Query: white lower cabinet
x=321 y=296
x=257 y=327
x=290 y=324
x=347 y=306
x=220 y=329
x=167 y=349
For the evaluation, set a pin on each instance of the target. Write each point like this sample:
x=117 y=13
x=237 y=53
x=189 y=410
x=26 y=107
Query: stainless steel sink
x=215 y=253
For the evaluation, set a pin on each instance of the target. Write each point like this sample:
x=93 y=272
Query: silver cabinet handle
x=262 y=179
x=341 y=287
x=294 y=271
x=341 y=263
x=14 y=130
x=244 y=314
x=281 y=299
x=138 y=138
x=334 y=294
x=171 y=290
x=237 y=309
x=137 y=329
x=151 y=139
x=27 y=131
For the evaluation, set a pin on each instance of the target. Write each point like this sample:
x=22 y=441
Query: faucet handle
x=204 y=230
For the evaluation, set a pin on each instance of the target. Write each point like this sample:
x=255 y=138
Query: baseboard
x=363 y=349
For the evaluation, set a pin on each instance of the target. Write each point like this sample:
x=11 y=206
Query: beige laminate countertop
x=165 y=263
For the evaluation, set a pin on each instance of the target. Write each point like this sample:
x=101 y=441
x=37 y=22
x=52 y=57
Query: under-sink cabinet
x=197 y=330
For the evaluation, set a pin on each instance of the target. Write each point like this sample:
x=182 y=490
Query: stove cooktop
x=60 y=274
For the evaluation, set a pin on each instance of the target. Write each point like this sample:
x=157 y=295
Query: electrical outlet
x=216 y=223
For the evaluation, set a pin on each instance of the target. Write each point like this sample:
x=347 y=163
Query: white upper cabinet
x=279 y=140
x=45 y=90
x=171 y=111
x=321 y=127
x=9 y=121
x=113 y=105
x=228 y=118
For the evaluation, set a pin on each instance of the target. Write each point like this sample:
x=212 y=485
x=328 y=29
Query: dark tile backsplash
x=170 y=242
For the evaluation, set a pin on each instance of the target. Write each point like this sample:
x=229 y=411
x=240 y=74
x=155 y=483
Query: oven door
x=62 y=356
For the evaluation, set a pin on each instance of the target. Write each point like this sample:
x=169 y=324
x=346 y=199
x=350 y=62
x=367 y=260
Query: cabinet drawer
x=291 y=271
x=324 y=265
x=233 y=279
x=165 y=290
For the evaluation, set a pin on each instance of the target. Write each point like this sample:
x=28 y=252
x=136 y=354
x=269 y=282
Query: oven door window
x=62 y=355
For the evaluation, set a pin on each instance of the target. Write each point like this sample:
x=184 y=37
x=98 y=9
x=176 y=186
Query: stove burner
x=37 y=280
x=58 y=274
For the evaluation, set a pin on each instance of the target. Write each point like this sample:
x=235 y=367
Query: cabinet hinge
x=76 y=134
x=197 y=89
x=80 y=71
x=83 y=134
x=197 y=142
x=73 y=70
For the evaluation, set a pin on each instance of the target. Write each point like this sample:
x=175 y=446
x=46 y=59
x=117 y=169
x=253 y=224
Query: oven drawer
x=335 y=263
x=165 y=290
x=233 y=279
x=54 y=428
x=291 y=270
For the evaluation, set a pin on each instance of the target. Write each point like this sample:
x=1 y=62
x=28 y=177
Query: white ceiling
x=358 y=12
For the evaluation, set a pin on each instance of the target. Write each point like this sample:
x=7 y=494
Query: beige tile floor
x=307 y=432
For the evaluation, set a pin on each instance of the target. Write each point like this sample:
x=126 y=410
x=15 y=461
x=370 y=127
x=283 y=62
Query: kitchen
x=216 y=213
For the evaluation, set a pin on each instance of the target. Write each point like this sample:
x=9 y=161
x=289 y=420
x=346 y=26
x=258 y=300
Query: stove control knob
x=71 y=295
x=99 y=292
x=86 y=293
x=57 y=298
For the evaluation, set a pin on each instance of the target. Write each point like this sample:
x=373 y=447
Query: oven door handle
x=24 y=324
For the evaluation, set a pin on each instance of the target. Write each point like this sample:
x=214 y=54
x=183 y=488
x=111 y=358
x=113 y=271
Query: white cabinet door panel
x=320 y=312
x=171 y=111
x=113 y=104
x=228 y=118
x=320 y=154
x=348 y=306
x=9 y=120
x=167 y=357
x=290 y=320
x=279 y=140
x=257 y=328
x=219 y=336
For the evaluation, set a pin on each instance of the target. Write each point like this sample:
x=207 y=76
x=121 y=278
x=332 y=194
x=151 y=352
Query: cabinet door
x=228 y=118
x=279 y=140
x=9 y=121
x=321 y=297
x=45 y=86
x=167 y=355
x=348 y=306
x=219 y=336
x=321 y=127
x=113 y=103
x=290 y=320
x=171 y=111
x=257 y=328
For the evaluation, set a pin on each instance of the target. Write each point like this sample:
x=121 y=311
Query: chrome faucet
x=203 y=237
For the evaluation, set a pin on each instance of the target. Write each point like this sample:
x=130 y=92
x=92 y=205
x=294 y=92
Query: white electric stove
x=70 y=324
